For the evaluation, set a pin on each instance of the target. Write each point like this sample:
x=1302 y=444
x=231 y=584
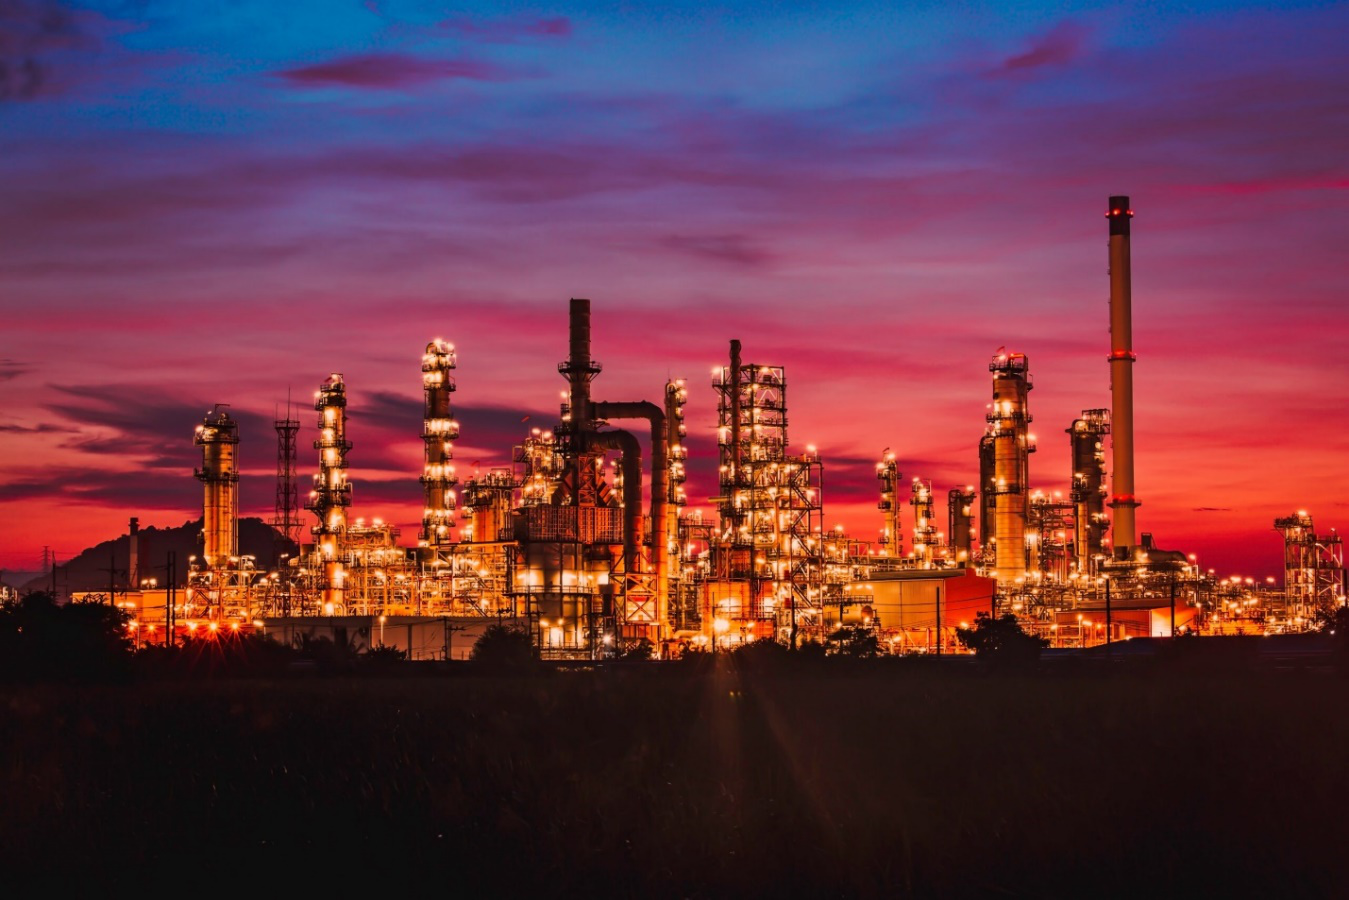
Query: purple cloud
x=390 y=71
x=1061 y=44
x=28 y=31
x=11 y=369
x=505 y=31
x=736 y=249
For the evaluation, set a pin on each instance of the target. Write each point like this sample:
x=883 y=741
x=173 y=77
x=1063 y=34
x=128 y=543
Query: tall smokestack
x=1123 y=500
x=133 y=567
x=580 y=369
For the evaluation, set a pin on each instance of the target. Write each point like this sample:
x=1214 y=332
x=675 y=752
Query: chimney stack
x=1123 y=500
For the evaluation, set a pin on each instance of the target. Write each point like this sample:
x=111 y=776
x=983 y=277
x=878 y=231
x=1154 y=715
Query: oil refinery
x=585 y=539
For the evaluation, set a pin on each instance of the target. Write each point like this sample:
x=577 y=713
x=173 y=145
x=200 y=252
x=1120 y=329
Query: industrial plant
x=585 y=540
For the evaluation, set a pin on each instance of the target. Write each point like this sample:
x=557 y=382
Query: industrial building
x=585 y=539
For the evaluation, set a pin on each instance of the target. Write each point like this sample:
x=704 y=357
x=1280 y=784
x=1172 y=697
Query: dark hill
x=89 y=570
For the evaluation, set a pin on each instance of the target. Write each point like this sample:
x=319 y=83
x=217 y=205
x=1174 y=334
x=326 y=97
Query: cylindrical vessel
x=987 y=484
x=218 y=438
x=1009 y=421
x=924 y=523
x=332 y=494
x=888 y=474
x=1088 y=492
x=960 y=510
x=439 y=431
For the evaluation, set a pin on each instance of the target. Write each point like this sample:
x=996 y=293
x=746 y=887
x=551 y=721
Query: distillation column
x=439 y=430
x=218 y=438
x=1008 y=427
x=960 y=527
x=987 y=479
x=888 y=474
x=1088 y=492
x=676 y=395
x=331 y=496
x=1124 y=501
x=924 y=523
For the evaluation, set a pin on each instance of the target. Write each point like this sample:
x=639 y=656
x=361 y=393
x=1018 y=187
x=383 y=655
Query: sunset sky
x=208 y=202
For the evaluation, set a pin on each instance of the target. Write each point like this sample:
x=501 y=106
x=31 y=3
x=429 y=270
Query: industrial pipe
x=631 y=461
x=660 y=537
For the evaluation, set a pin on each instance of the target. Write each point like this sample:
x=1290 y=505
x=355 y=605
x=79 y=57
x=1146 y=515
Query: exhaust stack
x=1123 y=500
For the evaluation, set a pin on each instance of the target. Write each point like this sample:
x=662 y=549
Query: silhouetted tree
x=217 y=654
x=765 y=653
x=1001 y=641
x=808 y=651
x=41 y=640
x=640 y=649
x=328 y=654
x=504 y=648
x=383 y=659
x=1335 y=624
x=855 y=642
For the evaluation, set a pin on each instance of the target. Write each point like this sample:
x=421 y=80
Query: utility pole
x=112 y=578
x=1107 y=617
x=939 y=587
x=1173 y=604
x=449 y=636
x=170 y=564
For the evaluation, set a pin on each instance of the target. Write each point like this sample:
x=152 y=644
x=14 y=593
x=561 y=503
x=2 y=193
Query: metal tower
x=286 y=519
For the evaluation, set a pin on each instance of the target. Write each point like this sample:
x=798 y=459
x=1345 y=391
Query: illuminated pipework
x=218 y=438
x=767 y=559
x=1006 y=492
x=439 y=430
x=1047 y=530
x=331 y=495
x=960 y=528
x=987 y=477
x=676 y=395
x=1088 y=493
x=1124 y=501
x=888 y=474
x=1313 y=566
x=540 y=467
x=924 y=524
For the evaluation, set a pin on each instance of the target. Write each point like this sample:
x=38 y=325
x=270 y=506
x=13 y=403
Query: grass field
x=662 y=781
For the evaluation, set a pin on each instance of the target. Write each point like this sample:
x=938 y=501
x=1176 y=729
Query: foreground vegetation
x=703 y=779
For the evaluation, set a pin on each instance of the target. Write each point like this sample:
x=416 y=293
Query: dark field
x=888 y=780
